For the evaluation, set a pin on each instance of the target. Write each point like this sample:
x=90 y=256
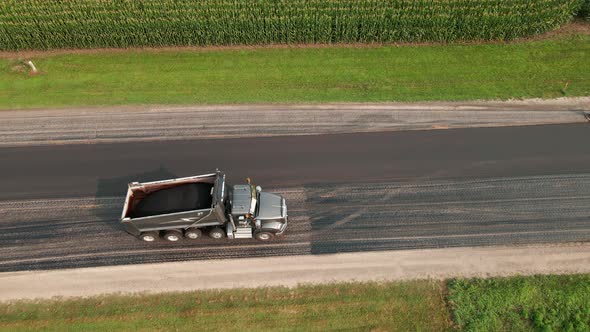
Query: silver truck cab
x=266 y=213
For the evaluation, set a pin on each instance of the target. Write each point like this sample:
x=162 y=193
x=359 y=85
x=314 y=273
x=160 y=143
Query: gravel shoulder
x=151 y=123
x=294 y=270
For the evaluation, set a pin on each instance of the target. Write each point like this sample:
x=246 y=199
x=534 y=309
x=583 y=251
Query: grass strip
x=544 y=69
x=403 y=306
x=533 y=303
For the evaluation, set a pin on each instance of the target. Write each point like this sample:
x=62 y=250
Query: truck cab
x=264 y=213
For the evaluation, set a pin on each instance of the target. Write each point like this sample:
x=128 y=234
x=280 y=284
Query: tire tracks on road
x=324 y=218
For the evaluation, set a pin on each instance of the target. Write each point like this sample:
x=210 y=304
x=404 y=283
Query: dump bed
x=176 y=203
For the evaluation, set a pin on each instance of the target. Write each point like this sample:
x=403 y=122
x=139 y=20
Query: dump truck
x=195 y=206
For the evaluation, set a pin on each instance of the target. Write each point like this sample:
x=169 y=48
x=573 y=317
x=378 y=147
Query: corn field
x=585 y=10
x=54 y=24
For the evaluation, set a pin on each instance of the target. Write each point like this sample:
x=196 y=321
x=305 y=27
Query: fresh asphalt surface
x=59 y=204
x=105 y=169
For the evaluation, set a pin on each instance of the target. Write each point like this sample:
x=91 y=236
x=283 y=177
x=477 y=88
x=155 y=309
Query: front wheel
x=264 y=236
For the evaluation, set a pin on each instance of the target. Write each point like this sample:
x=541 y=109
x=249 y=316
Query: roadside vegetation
x=408 y=306
x=43 y=24
x=541 y=303
x=537 y=303
x=544 y=68
x=288 y=51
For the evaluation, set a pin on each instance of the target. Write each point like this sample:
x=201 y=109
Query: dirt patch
x=18 y=68
x=576 y=28
x=21 y=67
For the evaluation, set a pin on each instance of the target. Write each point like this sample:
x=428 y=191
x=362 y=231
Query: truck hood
x=270 y=206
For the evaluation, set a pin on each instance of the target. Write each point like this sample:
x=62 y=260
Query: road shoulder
x=294 y=270
x=165 y=123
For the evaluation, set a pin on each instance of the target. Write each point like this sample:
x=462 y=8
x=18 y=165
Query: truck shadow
x=110 y=194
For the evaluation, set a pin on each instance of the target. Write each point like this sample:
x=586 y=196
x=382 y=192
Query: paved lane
x=105 y=169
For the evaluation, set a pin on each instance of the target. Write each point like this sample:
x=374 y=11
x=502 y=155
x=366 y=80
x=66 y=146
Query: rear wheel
x=193 y=233
x=149 y=236
x=264 y=236
x=217 y=233
x=173 y=235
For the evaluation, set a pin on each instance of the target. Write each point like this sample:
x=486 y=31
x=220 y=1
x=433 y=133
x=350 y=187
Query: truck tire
x=217 y=233
x=264 y=236
x=173 y=235
x=149 y=236
x=193 y=233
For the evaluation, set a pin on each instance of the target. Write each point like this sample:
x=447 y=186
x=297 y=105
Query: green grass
x=541 y=303
x=405 y=306
x=536 y=303
x=546 y=69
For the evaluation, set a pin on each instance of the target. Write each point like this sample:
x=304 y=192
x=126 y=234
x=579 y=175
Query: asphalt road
x=105 y=169
x=346 y=193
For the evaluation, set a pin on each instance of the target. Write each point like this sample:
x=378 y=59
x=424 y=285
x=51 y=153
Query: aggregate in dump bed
x=185 y=197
